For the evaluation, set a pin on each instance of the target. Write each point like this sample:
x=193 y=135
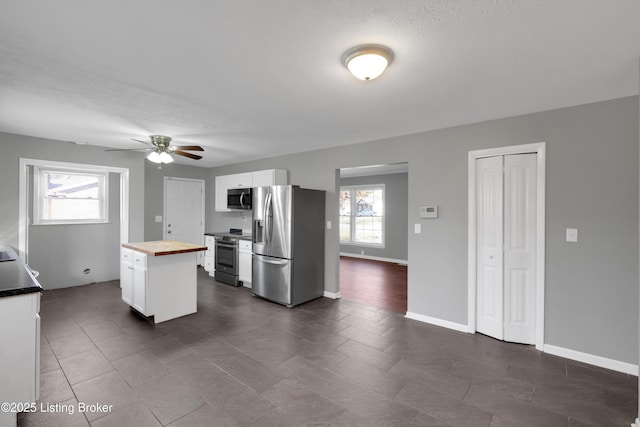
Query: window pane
x=64 y=185
x=70 y=209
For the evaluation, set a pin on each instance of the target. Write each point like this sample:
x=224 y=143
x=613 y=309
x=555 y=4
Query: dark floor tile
x=139 y=368
x=370 y=377
x=247 y=370
x=108 y=389
x=119 y=346
x=54 y=387
x=297 y=405
x=169 y=398
x=367 y=338
x=513 y=410
x=167 y=348
x=48 y=360
x=134 y=415
x=368 y=355
x=84 y=366
x=101 y=330
x=203 y=416
x=66 y=414
x=68 y=345
x=434 y=377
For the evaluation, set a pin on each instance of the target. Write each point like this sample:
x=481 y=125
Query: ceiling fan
x=161 y=149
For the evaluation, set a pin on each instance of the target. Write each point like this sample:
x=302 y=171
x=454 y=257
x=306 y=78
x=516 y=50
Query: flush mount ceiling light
x=367 y=62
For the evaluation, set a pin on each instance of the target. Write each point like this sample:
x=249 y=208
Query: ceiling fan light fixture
x=165 y=157
x=366 y=62
x=154 y=157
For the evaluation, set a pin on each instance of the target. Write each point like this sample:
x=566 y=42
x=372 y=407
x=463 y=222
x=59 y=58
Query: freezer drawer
x=272 y=278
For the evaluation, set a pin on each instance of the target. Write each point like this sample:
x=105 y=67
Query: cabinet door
x=140 y=289
x=269 y=177
x=240 y=180
x=221 y=193
x=244 y=267
x=126 y=281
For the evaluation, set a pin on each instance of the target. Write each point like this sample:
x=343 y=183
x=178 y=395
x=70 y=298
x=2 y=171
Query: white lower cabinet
x=133 y=279
x=19 y=353
x=244 y=262
x=210 y=255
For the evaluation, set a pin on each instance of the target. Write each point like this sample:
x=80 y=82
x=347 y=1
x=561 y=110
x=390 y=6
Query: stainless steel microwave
x=239 y=198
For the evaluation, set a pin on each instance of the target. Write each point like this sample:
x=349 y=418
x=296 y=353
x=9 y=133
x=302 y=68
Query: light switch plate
x=158 y=218
x=417 y=228
x=572 y=235
x=328 y=225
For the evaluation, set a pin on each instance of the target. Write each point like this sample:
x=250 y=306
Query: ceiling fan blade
x=185 y=154
x=189 y=147
x=138 y=140
x=130 y=149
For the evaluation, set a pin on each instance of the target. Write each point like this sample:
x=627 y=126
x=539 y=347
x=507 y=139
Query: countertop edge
x=164 y=252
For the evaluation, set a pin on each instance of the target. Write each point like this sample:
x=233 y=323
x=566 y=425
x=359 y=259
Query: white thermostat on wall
x=429 y=211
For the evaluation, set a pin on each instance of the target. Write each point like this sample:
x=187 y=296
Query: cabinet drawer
x=126 y=255
x=209 y=264
x=244 y=245
x=209 y=241
x=139 y=259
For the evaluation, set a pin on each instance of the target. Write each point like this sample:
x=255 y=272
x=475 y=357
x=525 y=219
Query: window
x=362 y=215
x=70 y=196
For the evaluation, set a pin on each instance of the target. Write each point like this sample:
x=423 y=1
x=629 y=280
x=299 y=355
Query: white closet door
x=489 y=265
x=520 y=248
x=506 y=264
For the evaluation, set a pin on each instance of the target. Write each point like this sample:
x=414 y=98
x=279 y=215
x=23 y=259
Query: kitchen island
x=159 y=278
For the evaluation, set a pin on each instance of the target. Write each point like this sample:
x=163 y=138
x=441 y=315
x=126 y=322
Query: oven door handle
x=226 y=245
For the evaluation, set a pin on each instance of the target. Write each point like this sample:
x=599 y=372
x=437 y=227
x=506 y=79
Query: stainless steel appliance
x=288 y=244
x=227 y=257
x=239 y=198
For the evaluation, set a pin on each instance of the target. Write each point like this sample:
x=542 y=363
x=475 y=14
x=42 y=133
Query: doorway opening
x=373 y=217
x=487 y=248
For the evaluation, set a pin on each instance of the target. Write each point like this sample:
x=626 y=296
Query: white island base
x=160 y=283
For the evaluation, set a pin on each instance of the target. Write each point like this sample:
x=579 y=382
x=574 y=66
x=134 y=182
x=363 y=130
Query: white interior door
x=489 y=266
x=506 y=236
x=184 y=211
x=520 y=248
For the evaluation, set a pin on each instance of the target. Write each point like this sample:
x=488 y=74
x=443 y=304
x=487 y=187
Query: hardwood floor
x=376 y=283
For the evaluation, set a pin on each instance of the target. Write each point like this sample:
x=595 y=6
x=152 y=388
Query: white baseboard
x=332 y=295
x=603 y=362
x=375 y=258
x=438 y=322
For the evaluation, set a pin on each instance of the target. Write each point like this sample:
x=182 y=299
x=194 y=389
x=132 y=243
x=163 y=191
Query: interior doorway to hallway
x=373 y=218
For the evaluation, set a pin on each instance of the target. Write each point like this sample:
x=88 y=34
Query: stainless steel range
x=227 y=256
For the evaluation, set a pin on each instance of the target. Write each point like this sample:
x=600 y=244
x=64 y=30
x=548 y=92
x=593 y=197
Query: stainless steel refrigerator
x=288 y=244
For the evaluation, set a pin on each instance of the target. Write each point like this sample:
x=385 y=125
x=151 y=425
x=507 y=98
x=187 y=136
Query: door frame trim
x=539 y=148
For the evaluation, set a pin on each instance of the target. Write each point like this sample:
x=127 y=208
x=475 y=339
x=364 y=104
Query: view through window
x=362 y=215
x=66 y=196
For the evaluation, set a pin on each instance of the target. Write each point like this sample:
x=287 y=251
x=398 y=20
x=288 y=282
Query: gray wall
x=96 y=246
x=68 y=247
x=592 y=184
x=154 y=193
x=395 y=216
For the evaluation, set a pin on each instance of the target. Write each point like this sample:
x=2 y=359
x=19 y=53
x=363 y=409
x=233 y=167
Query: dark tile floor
x=242 y=361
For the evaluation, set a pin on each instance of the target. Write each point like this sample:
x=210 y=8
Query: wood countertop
x=164 y=247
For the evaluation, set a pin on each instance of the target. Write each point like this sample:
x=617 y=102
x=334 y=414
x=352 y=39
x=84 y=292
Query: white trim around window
x=353 y=211
x=70 y=196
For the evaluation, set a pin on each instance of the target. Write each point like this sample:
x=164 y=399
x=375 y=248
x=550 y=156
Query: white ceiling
x=258 y=78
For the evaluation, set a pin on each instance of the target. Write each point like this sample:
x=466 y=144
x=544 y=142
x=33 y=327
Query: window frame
x=39 y=195
x=353 y=189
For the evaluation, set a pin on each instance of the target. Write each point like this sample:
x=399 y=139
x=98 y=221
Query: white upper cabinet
x=269 y=177
x=240 y=180
x=246 y=180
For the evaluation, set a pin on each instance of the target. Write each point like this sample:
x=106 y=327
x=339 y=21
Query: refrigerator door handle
x=268 y=217
x=272 y=260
